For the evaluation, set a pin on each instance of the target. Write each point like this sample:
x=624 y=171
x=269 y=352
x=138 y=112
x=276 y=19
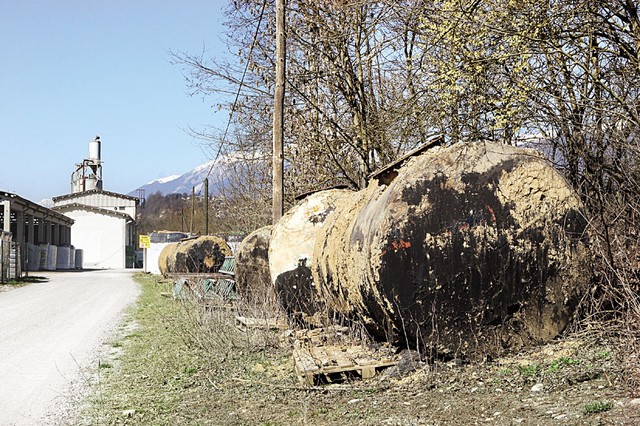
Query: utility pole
x=206 y=206
x=278 y=113
x=193 y=207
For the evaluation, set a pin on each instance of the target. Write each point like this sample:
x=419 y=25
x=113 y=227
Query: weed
x=189 y=370
x=560 y=362
x=20 y=282
x=293 y=412
x=604 y=355
x=200 y=348
x=597 y=407
x=103 y=364
x=505 y=372
x=529 y=370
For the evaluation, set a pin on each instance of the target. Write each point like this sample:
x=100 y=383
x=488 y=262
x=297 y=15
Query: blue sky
x=75 y=69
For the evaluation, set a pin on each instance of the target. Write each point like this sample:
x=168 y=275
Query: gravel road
x=50 y=336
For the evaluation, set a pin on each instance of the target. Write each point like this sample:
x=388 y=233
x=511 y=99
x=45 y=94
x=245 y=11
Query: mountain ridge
x=184 y=183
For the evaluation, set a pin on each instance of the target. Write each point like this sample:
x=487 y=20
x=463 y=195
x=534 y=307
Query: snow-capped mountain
x=182 y=184
x=217 y=171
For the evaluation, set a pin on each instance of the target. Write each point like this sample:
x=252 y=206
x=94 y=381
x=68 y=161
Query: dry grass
x=188 y=364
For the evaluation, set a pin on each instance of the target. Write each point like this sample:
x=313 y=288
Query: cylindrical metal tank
x=33 y=257
x=159 y=240
x=94 y=148
x=197 y=255
x=291 y=249
x=253 y=280
x=79 y=257
x=62 y=261
x=52 y=257
x=470 y=249
x=165 y=253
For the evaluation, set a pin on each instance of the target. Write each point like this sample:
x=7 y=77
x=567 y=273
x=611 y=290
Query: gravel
x=51 y=335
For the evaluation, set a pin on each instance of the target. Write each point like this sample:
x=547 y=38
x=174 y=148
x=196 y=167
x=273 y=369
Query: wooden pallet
x=328 y=361
x=245 y=323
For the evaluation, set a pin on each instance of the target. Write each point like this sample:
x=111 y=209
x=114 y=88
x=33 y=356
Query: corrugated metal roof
x=23 y=204
x=94 y=191
x=78 y=206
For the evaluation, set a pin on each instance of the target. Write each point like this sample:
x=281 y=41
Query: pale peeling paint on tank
x=291 y=251
x=293 y=237
x=253 y=280
x=537 y=193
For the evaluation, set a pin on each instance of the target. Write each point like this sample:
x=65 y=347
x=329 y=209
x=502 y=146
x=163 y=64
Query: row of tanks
x=467 y=250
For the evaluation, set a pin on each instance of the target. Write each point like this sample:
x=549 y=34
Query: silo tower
x=88 y=174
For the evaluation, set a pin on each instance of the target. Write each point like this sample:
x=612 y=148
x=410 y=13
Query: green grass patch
x=156 y=370
x=529 y=370
x=184 y=364
x=561 y=362
x=598 y=407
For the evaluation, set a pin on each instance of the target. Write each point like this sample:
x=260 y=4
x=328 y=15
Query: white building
x=104 y=226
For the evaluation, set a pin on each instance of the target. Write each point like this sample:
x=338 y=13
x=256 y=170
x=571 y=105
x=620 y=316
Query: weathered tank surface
x=291 y=250
x=164 y=256
x=253 y=280
x=204 y=254
x=470 y=249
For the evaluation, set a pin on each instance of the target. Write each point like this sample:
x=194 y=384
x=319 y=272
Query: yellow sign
x=144 y=241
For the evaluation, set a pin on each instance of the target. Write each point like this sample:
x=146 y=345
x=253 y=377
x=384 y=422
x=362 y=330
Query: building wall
x=102 y=237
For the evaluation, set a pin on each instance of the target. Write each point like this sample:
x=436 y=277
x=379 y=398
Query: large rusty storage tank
x=470 y=249
x=253 y=280
x=196 y=255
x=291 y=249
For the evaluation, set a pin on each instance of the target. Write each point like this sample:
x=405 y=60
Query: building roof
x=99 y=210
x=94 y=191
x=22 y=204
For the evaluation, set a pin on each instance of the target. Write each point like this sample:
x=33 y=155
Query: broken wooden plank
x=245 y=323
x=305 y=366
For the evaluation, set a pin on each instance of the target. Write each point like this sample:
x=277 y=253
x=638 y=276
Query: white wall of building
x=101 y=236
x=153 y=254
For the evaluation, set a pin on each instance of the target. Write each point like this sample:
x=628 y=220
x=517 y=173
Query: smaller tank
x=203 y=254
x=94 y=149
x=253 y=280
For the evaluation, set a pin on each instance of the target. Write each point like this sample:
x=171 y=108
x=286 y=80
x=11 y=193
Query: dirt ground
x=191 y=365
x=570 y=382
